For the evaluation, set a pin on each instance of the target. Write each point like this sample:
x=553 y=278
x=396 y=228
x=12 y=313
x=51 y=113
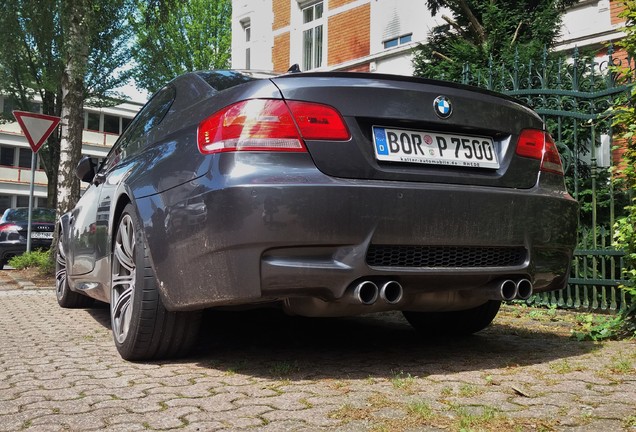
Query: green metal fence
x=574 y=94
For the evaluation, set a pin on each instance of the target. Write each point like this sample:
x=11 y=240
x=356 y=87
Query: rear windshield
x=22 y=215
x=225 y=79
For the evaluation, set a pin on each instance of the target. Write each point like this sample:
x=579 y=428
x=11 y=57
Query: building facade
x=102 y=127
x=372 y=35
x=344 y=35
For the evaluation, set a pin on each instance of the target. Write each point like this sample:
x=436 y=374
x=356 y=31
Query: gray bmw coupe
x=326 y=194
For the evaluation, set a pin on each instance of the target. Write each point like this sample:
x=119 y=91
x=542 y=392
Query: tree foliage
x=172 y=39
x=36 y=50
x=476 y=31
x=625 y=121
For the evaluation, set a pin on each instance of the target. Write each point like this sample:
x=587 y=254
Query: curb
x=26 y=284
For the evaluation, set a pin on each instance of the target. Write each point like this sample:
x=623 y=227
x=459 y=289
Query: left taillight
x=269 y=125
x=538 y=144
x=9 y=231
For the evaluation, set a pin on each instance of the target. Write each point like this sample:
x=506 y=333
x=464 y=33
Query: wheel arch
x=122 y=201
x=63 y=224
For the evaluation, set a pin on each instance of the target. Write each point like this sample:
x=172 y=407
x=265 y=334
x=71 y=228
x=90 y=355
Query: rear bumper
x=269 y=238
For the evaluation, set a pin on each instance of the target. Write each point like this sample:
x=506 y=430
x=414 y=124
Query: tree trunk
x=475 y=25
x=76 y=59
x=76 y=51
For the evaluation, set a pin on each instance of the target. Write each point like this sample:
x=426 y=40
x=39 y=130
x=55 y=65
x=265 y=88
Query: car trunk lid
x=384 y=111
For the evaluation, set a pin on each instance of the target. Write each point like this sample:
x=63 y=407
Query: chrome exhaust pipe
x=391 y=292
x=524 y=289
x=507 y=290
x=366 y=292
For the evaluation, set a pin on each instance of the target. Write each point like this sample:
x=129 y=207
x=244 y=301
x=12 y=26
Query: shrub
x=36 y=259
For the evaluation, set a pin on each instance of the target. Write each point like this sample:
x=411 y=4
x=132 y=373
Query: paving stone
x=59 y=370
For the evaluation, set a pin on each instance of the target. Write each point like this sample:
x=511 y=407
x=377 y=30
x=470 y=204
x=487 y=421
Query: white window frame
x=311 y=64
x=246 y=25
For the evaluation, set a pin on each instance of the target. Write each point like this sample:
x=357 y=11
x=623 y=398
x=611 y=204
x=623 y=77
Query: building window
x=92 y=121
x=8 y=106
x=22 y=201
x=106 y=123
x=111 y=124
x=401 y=40
x=312 y=36
x=5 y=202
x=24 y=158
x=125 y=121
x=7 y=156
x=247 y=30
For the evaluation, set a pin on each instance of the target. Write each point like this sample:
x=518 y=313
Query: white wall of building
x=258 y=14
x=389 y=18
x=587 y=23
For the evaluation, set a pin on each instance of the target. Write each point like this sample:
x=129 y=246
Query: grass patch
x=630 y=421
x=419 y=415
x=548 y=314
x=467 y=420
x=403 y=381
x=348 y=413
x=446 y=391
x=564 y=366
x=284 y=368
x=469 y=390
x=621 y=365
x=420 y=409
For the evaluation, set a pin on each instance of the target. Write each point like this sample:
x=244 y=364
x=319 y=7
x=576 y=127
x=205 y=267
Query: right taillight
x=269 y=125
x=538 y=144
x=318 y=122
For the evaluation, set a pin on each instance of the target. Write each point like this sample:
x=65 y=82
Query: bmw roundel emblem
x=442 y=106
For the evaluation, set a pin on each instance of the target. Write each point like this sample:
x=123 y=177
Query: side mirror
x=85 y=170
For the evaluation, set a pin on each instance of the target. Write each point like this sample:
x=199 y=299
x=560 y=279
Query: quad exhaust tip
x=524 y=289
x=366 y=292
x=391 y=292
x=508 y=290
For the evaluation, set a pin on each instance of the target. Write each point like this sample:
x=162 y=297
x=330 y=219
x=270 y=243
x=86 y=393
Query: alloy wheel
x=60 y=272
x=123 y=279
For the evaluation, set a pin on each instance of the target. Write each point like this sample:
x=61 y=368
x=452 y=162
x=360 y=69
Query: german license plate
x=435 y=148
x=41 y=235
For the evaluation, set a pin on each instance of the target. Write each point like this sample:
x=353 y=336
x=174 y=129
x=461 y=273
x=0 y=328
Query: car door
x=90 y=220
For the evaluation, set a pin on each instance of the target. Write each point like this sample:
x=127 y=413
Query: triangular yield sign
x=36 y=127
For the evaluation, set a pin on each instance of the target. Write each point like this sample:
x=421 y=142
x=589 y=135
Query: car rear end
x=14 y=231
x=353 y=193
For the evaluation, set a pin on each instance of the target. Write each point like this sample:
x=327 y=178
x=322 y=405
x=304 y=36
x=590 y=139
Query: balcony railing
x=89 y=137
x=21 y=175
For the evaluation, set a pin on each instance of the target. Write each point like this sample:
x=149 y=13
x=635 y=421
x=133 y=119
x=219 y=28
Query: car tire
x=454 y=323
x=65 y=297
x=142 y=327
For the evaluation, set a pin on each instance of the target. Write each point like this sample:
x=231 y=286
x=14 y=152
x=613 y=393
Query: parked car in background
x=14 y=227
x=326 y=194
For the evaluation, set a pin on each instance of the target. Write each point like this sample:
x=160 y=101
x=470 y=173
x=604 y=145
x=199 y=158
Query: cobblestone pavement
x=59 y=370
